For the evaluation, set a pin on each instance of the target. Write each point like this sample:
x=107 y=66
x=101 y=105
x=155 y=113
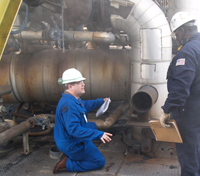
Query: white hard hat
x=71 y=75
x=179 y=19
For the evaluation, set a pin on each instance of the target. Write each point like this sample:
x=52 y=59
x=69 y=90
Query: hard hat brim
x=73 y=80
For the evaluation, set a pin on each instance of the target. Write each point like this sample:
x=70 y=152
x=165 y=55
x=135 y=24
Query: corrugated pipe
x=112 y=118
x=17 y=130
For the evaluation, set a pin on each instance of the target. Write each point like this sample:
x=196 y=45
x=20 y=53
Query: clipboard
x=171 y=134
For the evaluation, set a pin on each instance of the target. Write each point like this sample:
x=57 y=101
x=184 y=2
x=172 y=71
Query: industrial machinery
x=122 y=47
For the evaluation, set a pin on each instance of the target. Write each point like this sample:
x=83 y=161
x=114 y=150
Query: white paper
x=103 y=108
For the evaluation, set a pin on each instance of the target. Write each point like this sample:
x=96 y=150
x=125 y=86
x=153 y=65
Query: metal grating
x=39 y=163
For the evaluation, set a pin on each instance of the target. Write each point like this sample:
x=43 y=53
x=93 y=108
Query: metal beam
x=8 y=13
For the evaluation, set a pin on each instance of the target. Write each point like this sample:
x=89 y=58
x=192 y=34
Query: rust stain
x=135 y=158
x=108 y=167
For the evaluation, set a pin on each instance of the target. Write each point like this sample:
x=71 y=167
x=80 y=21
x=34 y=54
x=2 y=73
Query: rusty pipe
x=143 y=100
x=15 y=131
x=6 y=124
x=89 y=36
x=47 y=34
x=16 y=114
x=34 y=77
x=112 y=118
x=40 y=133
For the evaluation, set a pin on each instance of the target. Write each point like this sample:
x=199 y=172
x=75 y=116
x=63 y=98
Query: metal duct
x=184 y=5
x=33 y=77
x=151 y=45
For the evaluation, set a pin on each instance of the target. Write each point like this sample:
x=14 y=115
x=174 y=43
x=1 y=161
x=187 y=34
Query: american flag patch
x=180 y=62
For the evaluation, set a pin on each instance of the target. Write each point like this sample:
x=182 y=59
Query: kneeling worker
x=73 y=133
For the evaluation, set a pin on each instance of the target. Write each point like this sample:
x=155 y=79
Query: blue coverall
x=183 y=103
x=74 y=136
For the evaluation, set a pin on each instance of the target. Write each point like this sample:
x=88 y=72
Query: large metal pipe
x=29 y=35
x=89 y=36
x=151 y=47
x=6 y=89
x=144 y=99
x=68 y=36
x=33 y=77
x=6 y=124
x=15 y=131
x=112 y=118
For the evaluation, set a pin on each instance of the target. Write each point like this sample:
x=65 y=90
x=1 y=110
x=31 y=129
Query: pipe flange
x=55 y=33
x=32 y=121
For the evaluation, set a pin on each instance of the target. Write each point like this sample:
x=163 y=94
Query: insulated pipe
x=151 y=47
x=112 y=118
x=15 y=131
x=89 y=36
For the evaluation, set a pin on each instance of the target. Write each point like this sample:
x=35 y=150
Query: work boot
x=60 y=164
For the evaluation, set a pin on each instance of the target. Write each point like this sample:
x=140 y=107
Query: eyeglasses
x=173 y=34
x=79 y=82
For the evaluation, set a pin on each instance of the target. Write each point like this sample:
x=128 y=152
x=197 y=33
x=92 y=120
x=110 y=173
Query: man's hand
x=106 y=137
x=106 y=99
x=163 y=118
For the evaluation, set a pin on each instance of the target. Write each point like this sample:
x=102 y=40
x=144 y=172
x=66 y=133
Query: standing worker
x=73 y=133
x=183 y=101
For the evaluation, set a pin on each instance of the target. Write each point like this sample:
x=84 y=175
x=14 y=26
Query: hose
x=25 y=23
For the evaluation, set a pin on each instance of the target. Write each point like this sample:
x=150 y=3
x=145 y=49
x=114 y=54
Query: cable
x=25 y=23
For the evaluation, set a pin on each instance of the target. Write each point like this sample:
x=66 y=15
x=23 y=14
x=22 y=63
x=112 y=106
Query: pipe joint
x=32 y=121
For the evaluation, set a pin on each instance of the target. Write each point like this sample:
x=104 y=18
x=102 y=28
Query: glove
x=163 y=118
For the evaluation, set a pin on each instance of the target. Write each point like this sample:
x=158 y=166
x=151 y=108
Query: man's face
x=78 y=88
x=179 y=34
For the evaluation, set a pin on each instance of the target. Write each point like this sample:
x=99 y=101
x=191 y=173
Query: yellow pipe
x=8 y=13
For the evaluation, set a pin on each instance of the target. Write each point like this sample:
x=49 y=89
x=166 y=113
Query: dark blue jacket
x=184 y=76
x=71 y=129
